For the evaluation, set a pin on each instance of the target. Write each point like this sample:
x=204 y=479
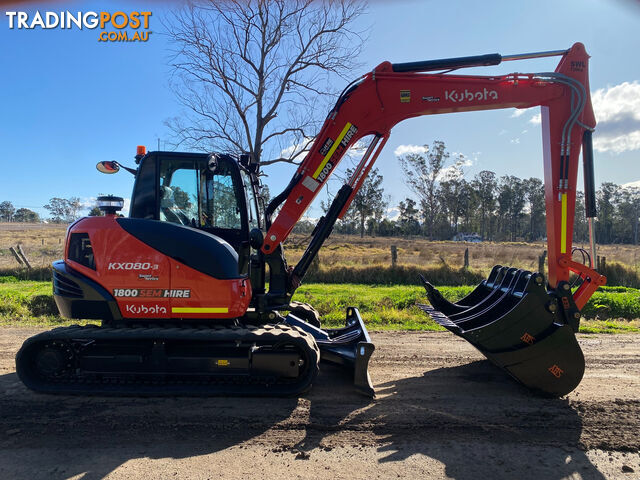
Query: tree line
x=444 y=204
x=487 y=207
x=62 y=210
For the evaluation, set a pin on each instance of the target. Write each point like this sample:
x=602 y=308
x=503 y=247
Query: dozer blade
x=349 y=346
x=517 y=325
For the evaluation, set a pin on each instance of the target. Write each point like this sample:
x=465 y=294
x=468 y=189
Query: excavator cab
x=211 y=192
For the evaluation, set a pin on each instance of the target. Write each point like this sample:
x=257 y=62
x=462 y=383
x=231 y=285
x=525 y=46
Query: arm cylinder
x=447 y=63
x=589 y=179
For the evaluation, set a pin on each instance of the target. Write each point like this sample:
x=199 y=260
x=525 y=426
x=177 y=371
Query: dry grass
x=369 y=256
x=346 y=250
x=42 y=243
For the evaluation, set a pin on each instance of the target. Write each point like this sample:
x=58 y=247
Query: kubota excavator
x=181 y=284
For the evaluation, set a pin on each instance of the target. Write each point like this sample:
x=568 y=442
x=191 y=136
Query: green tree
x=450 y=197
x=485 y=185
x=96 y=212
x=64 y=209
x=511 y=200
x=605 y=197
x=580 y=226
x=368 y=202
x=408 y=218
x=421 y=173
x=6 y=211
x=26 y=216
x=534 y=192
x=628 y=210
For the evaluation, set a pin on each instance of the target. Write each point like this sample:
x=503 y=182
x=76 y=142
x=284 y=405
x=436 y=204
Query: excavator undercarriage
x=194 y=293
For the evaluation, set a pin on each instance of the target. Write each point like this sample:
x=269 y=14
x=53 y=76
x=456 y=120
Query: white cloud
x=392 y=213
x=519 y=112
x=294 y=148
x=635 y=184
x=448 y=173
x=617 y=111
x=467 y=162
x=406 y=149
x=536 y=119
x=514 y=140
x=87 y=203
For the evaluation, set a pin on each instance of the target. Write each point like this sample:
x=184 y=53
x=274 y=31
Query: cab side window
x=220 y=205
x=179 y=196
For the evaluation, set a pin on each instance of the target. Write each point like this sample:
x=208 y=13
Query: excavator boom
x=391 y=93
x=516 y=320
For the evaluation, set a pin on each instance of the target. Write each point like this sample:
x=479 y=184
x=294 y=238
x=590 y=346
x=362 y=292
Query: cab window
x=192 y=195
x=221 y=209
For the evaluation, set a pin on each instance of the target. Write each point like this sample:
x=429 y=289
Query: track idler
x=521 y=327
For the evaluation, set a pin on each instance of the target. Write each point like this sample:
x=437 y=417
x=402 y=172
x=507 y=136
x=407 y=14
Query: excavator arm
x=391 y=93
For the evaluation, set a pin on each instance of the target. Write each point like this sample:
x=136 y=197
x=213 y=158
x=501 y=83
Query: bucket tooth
x=437 y=300
x=516 y=324
x=509 y=280
x=478 y=294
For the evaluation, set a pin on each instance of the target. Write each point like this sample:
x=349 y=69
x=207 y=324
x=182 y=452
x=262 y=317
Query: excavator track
x=269 y=360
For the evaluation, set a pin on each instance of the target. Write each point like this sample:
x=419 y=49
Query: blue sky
x=69 y=101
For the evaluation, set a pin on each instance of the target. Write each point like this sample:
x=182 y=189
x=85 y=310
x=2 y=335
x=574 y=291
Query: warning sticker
x=310 y=183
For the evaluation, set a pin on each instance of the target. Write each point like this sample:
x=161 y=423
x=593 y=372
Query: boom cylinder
x=322 y=231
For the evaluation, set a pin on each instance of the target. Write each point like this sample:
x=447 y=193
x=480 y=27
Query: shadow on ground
x=472 y=418
x=111 y=431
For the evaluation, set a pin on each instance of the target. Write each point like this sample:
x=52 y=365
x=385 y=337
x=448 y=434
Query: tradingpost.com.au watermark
x=116 y=27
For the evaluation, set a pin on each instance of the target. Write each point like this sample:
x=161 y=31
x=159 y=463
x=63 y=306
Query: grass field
x=43 y=243
x=351 y=272
x=612 y=310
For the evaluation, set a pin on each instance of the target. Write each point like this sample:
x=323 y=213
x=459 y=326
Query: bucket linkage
x=518 y=325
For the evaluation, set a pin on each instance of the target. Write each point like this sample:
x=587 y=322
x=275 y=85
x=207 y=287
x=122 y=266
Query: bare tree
x=251 y=73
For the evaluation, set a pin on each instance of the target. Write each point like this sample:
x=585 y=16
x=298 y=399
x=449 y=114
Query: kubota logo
x=132 y=266
x=144 y=309
x=469 y=96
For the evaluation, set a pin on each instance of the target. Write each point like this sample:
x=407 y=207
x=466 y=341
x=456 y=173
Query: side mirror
x=212 y=164
x=108 y=167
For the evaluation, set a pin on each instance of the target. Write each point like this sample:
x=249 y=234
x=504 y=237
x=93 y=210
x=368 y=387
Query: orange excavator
x=194 y=293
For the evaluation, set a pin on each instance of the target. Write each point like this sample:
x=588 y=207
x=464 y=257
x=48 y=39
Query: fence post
x=394 y=255
x=16 y=256
x=24 y=257
x=541 y=259
x=466 y=258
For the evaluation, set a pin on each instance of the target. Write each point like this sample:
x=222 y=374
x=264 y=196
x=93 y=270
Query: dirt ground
x=441 y=412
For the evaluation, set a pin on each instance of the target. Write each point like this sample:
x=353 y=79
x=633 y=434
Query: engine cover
x=153 y=270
